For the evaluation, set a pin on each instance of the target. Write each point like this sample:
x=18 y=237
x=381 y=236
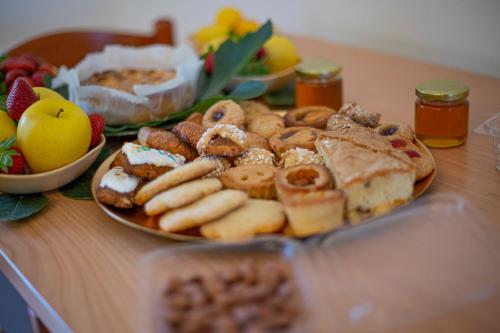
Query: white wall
x=459 y=33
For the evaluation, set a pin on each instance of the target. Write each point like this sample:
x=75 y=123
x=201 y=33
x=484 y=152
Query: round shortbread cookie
x=205 y=210
x=182 y=195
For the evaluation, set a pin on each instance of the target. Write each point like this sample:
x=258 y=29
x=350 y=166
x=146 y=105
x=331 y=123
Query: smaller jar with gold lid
x=318 y=82
x=442 y=113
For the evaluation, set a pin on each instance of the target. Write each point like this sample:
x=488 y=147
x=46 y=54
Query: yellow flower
x=229 y=17
x=245 y=27
x=280 y=53
x=208 y=33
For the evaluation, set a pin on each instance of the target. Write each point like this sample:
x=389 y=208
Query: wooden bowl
x=50 y=180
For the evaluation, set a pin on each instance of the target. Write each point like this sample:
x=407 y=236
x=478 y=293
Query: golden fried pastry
x=253 y=109
x=117 y=188
x=299 y=156
x=189 y=132
x=395 y=131
x=314 y=212
x=182 y=195
x=374 y=181
x=173 y=178
x=255 y=217
x=202 y=211
x=206 y=145
x=254 y=156
x=159 y=138
x=266 y=124
x=195 y=117
x=144 y=162
x=292 y=137
x=257 y=141
x=339 y=121
x=222 y=164
x=360 y=115
x=224 y=112
x=423 y=163
x=256 y=180
x=302 y=179
x=309 y=116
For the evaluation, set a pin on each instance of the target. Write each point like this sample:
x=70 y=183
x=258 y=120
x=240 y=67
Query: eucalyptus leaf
x=283 y=97
x=248 y=90
x=15 y=207
x=231 y=57
x=80 y=188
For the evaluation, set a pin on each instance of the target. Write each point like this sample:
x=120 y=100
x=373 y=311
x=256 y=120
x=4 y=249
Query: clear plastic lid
x=423 y=268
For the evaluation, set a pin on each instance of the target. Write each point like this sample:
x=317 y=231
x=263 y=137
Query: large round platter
x=135 y=218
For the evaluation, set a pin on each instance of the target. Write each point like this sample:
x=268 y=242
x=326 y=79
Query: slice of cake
x=373 y=181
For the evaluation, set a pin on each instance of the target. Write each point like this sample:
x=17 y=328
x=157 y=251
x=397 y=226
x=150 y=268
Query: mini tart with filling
x=224 y=112
x=292 y=137
x=309 y=116
x=302 y=179
x=256 y=180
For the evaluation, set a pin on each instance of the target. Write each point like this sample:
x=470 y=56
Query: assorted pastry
x=241 y=170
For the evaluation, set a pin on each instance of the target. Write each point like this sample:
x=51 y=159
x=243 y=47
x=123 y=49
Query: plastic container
x=494 y=128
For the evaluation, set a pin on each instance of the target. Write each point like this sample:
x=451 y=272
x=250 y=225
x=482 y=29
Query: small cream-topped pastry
x=117 y=188
x=137 y=154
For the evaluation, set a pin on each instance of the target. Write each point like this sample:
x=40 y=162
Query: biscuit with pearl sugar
x=182 y=195
x=172 y=178
x=203 y=211
x=254 y=218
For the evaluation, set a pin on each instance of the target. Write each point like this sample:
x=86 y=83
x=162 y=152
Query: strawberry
x=209 y=63
x=21 y=96
x=261 y=53
x=36 y=59
x=46 y=67
x=11 y=158
x=26 y=64
x=97 y=123
x=38 y=77
x=14 y=74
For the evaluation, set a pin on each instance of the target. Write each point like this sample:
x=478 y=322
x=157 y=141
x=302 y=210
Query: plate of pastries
x=241 y=170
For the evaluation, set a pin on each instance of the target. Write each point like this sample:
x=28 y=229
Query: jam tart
x=224 y=112
x=396 y=130
x=309 y=116
x=267 y=124
x=256 y=180
x=292 y=137
x=208 y=145
x=302 y=179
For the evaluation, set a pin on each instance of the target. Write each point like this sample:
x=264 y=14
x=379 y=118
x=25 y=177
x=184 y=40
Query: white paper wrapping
x=149 y=102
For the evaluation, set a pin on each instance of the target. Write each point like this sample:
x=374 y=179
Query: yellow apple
x=52 y=133
x=7 y=126
x=43 y=93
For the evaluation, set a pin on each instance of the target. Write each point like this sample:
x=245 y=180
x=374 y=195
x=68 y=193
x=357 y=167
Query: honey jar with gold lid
x=318 y=82
x=442 y=113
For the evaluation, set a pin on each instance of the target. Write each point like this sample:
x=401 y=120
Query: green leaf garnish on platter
x=15 y=207
x=282 y=97
x=80 y=188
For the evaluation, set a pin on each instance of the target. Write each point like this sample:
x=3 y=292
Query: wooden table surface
x=77 y=268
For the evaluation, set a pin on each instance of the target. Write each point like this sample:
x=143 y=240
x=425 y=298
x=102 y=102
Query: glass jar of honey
x=318 y=82
x=441 y=113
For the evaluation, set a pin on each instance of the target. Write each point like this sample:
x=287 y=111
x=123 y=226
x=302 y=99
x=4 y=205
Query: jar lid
x=317 y=68
x=442 y=90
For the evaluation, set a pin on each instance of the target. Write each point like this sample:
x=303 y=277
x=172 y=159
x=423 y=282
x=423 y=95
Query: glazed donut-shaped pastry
x=292 y=137
x=212 y=143
x=299 y=156
x=266 y=124
x=224 y=112
x=302 y=179
x=396 y=130
x=309 y=116
x=256 y=180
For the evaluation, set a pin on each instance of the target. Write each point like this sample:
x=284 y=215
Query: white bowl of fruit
x=45 y=140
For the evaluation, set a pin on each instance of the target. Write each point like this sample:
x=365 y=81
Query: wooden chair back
x=69 y=47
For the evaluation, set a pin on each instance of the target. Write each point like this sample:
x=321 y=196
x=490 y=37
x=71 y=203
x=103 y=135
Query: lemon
x=7 y=126
x=281 y=53
x=213 y=45
x=208 y=33
x=229 y=17
x=245 y=27
x=43 y=92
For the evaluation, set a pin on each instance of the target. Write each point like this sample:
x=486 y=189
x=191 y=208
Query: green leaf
x=6 y=153
x=15 y=207
x=230 y=59
x=248 y=90
x=62 y=90
x=283 y=97
x=3 y=102
x=80 y=188
x=254 y=67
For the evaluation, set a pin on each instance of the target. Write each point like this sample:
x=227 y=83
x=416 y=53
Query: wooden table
x=77 y=268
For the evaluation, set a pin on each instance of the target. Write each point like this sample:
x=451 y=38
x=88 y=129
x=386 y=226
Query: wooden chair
x=69 y=47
